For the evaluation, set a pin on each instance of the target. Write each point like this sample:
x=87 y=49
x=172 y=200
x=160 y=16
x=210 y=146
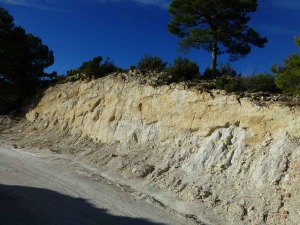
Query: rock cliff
x=222 y=159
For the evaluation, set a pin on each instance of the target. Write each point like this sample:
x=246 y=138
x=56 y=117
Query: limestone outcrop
x=223 y=159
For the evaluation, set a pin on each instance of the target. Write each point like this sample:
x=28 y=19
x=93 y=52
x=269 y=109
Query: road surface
x=39 y=188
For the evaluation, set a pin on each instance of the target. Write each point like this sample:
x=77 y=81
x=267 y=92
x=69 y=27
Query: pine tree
x=217 y=26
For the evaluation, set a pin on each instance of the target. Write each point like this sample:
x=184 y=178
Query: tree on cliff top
x=217 y=26
x=23 y=57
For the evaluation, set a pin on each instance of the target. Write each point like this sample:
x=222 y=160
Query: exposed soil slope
x=221 y=159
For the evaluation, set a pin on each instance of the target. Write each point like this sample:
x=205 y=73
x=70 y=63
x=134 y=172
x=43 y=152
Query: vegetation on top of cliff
x=183 y=70
x=94 y=68
x=216 y=26
x=149 y=62
x=259 y=83
x=288 y=75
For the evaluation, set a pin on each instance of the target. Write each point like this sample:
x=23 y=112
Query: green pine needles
x=217 y=26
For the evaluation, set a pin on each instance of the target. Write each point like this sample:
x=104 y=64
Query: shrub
x=263 y=82
x=297 y=41
x=288 y=75
x=208 y=74
x=260 y=82
x=148 y=62
x=73 y=72
x=227 y=70
x=94 y=68
x=132 y=67
x=289 y=80
x=108 y=67
x=277 y=69
x=183 y=70
x=228 y=84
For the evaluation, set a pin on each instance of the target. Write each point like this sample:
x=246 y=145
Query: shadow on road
x=33 y=206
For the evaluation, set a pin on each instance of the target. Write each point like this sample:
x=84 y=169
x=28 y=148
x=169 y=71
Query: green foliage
x=148 y=62
x=216 y=26
x=289 y=80
x=183 y=70
x=210 y=74
x=94 y=68
x=288 y=75
x=258 y=83
x=132 y=67
x=264 y=82
x=277 y=69
x=228 y=84
x=91 y=68
x=23 y=57
x=227 y=70
x=73 y=72
x=297 y=41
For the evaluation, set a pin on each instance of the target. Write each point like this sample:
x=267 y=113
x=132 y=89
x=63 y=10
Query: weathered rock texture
x=220 y=158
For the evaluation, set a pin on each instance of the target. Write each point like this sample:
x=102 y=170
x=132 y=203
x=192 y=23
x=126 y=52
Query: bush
x=132 y=67
x=94 y=68
x=227 y=70
x=260 y=82
x=289 y=78
x=228 y=84
x=289 y=81
x=208 y=74
x=297 y=41
x=277 y=69
x=288 y=75
x=183 y=70
x=264 y=82
x=148 y=62
x=108 y=67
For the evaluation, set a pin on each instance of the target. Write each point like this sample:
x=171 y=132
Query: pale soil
x=224 y=161
x=50 y=189
x=20 y=134
x=216 y=159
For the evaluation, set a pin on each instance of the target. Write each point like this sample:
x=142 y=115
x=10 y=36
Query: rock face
x=223 y=159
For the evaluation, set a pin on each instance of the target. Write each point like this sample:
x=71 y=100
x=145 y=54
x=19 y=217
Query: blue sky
x=124 y=30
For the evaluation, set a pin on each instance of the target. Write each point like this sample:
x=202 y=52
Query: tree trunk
x=214 y=59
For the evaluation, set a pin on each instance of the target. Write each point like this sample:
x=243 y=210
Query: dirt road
x=51 y=189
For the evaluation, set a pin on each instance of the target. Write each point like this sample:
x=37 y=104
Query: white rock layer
x=234 y=161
